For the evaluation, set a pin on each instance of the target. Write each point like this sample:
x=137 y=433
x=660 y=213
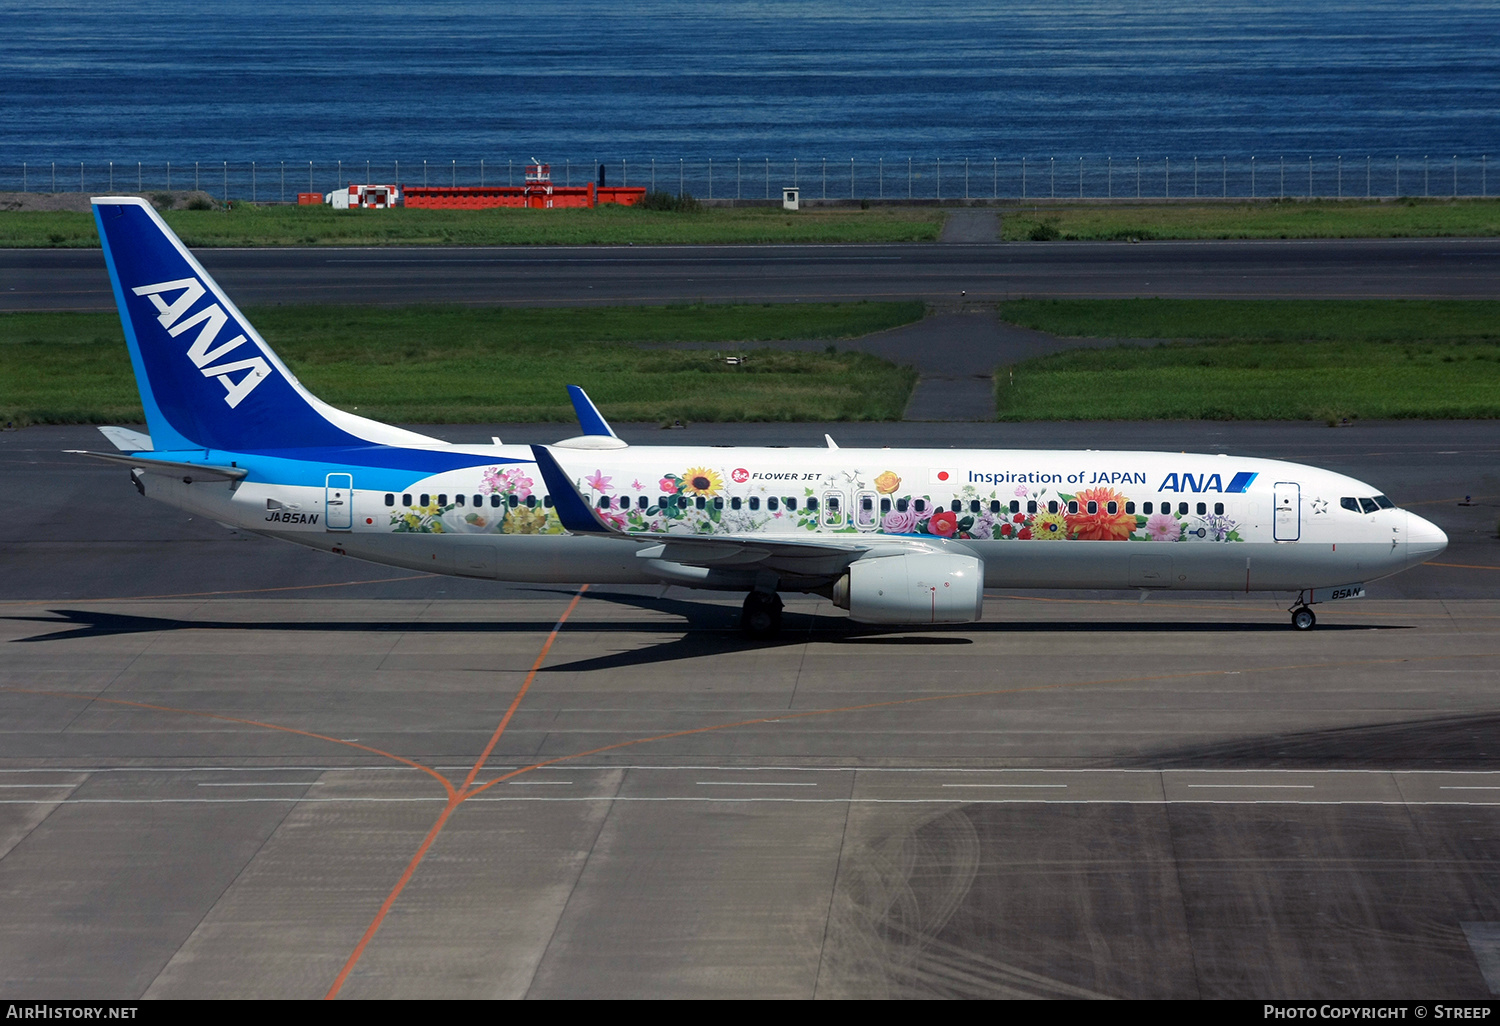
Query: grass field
x=611 y=225
x=461 y=365
x=1263 y=360
x=1290 y=219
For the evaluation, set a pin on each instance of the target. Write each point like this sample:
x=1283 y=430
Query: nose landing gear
x=761 y=616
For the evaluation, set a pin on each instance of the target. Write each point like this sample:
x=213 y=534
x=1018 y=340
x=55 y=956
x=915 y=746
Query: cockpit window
x=1368 y=505
x=1384 y=503
x=1350 y=503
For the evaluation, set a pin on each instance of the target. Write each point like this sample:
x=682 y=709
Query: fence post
x=310 y=177
x=710 y=178
x=1367 y=176
x=567 y=172
x=1252 y=176
x=1109 y=177
x=737 y=171
x=1080 y=178
x=825 y=177
x=339 y=182
x=1137 y=177
x=1167 y=189
x=1309 y=176
x=367 y=172
x=794 y=172
x=768 y=178
x=54 y=176
x=1398 y=176
x=880 y=172
x=624 y=172
x=226 y=181
x=966 y=178
x=1052 y=175
x=283 y=179
x=681 y=177
x=1023 y=178
x=252 y=181
x=1283 y=176
x=1426 y=177
x=453 y=164
x=111 y=177
x=1484 y=185
x=169 y=176
x=1455 y=176
x=908 y=178
x=995 y=171
x=940 y=179
x=81 y=186
x=1224 y=167
x=1341 y=175
x=1195 y=176
x=138 y=179
x=851 y=177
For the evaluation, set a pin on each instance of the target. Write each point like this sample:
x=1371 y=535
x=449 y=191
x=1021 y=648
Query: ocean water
x=578 y=82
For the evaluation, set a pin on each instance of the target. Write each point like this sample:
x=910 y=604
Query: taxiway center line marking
x=752 y=783
x=1301 y=786
x=1470 y=787
x=1005 y=785
x=454 y=799
x=268 y=783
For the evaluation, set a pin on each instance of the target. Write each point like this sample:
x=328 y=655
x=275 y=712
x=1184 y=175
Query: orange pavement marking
x=1465 y=566
x=447 y=784
x=455 y=798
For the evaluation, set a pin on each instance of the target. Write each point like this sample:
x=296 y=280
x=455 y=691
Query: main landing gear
x=1302 y=617
x=761 y=616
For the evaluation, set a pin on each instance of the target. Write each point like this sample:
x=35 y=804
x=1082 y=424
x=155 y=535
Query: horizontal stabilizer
x=126 y=440
x=197 y=471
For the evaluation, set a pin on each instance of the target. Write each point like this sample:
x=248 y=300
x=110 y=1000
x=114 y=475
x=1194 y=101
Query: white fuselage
x=1157 y=520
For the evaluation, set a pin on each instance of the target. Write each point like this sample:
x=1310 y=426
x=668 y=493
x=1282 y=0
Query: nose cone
x=1424 y=539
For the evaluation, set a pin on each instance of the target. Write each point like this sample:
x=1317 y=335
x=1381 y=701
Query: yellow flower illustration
x=1050 y=527
x=524 y=521
x=702 y=481
x=887 y=483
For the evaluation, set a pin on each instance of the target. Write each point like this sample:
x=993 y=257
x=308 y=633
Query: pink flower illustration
x=899 y=522
x=1163 y=527
x=1021 y=491
x=636 y=484
x=668 y=486
x=597 y=481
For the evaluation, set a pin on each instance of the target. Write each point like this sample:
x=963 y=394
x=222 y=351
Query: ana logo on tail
x=203 y=351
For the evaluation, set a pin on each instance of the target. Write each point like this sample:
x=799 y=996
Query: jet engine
x=927 y=587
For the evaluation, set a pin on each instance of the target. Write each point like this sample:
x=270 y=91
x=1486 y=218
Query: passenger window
x=957 y=506
x=1202 y=508
x=1072 y=505
x=1145 y=508
x=666 y=500
x=406 y=499
x=1182 y=509
x=1218 y=509
x=791 y=503
x=771 y=504
x=1031 y=506
x=603 y=502
x=390 y=498
x=1350 y=503
x=495 y=501
x=424 y=500
x=459 y=498
x=1112 y=508
x=547 y=501
x=1369 y=505
x=442 y=499
x=1015 y=506
x=718 y=502
x=1052 y=506
x=867 y=504
x=833 y=503
x=479 y=500
x=1093 y=506
x=734 y=503
x=643 y=502
x=812 y=504
x=754 y=502
x=1384 y=503
x=513 y=501
x=901 y=505
x=885 y=505
x=1129 y=507
x=701 y=502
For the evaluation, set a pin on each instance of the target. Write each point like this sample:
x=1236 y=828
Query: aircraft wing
x=816 y=558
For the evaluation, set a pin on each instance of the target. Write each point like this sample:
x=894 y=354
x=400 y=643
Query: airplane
x=893 y=536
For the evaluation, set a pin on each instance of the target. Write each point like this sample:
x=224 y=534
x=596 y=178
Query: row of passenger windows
x=496 y=501
x=867 y=504
x=1366 y=505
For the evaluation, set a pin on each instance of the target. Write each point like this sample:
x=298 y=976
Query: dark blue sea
x=875 y=83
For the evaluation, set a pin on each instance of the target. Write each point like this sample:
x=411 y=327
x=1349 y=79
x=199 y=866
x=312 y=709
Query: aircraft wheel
x=1303 y=619
x=761 y=616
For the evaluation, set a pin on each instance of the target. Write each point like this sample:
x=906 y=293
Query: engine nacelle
x=927 y=587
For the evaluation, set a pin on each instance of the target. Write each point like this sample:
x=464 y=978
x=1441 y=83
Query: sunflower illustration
x=702 y=481
x=1049 y=527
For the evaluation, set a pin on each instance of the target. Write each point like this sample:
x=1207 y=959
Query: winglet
x=589 y=417
x=577 y=516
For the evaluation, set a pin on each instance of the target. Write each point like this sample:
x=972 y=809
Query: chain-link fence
x=743 y=178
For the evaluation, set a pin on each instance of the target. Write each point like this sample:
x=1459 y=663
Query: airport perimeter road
x=548 y=275
x=220 y=756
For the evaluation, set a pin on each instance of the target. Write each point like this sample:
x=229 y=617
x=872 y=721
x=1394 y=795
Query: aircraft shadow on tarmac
x=1470 y=741
x=706 y=629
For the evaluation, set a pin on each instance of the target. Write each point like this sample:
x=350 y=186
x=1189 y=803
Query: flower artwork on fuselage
x=697 y=501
